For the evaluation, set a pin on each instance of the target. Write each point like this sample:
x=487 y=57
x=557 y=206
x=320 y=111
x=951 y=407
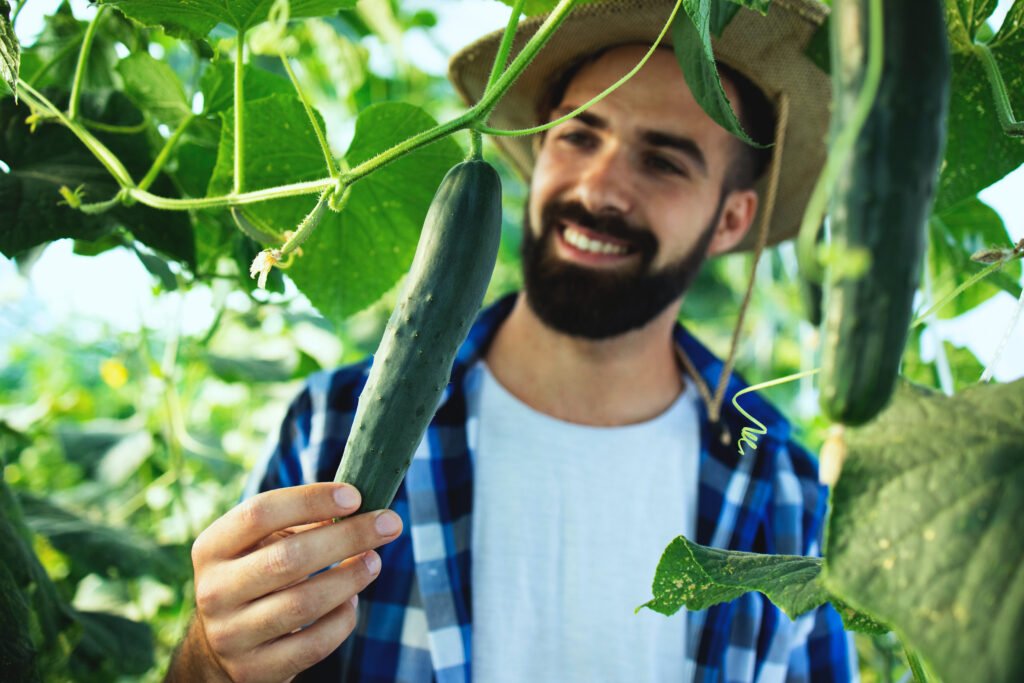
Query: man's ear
x=738 y=214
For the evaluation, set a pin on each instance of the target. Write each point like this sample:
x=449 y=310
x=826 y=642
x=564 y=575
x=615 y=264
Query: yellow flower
x=113 y=373
x=261 y=265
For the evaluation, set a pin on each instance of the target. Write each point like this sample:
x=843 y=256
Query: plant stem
x=98 y=149
x=974 y=279
x=475 y=145
x=1004 y=110
x=597 y=98
x=308 y=224
x=165 y=152
x=916 y=665
x=490 y=98
x=413 y=143
x=83 y=58
x=841 y=148
x=332 y=168
x=133 y=129
x=239 y=111
x=193 y=203
x=506 y=44
x=17 y=11
x=104 y=206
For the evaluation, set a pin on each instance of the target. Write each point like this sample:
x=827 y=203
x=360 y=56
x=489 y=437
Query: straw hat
x=769 y=50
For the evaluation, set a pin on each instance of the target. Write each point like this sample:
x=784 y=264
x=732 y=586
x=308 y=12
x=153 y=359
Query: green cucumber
x=442 y=295
x=883 y=199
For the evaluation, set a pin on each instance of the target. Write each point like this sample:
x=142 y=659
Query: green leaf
x=111 y=646
x=925 y=527
x=356 y=256
x=249 y=370
x=10 y=51
x=100 y=549
x=858 y=621
x=697 y=577
x=195 y=19
x=954 y=235
x=978 y=152
x=691 y=37
x=154 y=87
x=217 y=85
x=43 y=161
x=24 y=582
x=52 y=59
x=158 y=268
x=279 y=120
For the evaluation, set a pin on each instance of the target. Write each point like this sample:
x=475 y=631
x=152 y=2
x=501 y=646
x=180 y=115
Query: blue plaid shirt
x=415 y=623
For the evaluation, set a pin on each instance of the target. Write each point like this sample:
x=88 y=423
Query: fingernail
x=387 y=523
x=372 y=561
x=354 y=601
x=346 y=497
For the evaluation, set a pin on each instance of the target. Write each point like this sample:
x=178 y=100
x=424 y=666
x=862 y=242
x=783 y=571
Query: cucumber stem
x=83 y=59
x=483 y=128
x=1004 y=110
x=506 y=44
x=239 y=165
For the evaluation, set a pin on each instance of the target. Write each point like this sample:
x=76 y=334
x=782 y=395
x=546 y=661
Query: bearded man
x=572 y=443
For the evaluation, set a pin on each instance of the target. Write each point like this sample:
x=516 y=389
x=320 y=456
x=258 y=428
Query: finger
x=296 y=557
x=250 y=522
x=294 y=653
x=282 y=612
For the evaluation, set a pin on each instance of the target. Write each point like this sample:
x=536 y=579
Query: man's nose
x=605 y=184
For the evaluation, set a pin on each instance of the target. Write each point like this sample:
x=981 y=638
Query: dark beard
x=597 y=304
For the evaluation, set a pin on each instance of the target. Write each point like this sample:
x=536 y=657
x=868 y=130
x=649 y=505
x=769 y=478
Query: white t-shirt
x=569 y=522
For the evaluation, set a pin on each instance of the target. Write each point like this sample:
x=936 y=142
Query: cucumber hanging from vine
x=883 y=198
x=446 y=284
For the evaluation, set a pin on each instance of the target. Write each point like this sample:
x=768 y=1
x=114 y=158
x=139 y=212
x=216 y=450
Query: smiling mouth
x=590 y=242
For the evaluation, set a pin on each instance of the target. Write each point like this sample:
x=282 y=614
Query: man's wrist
x=193 y=660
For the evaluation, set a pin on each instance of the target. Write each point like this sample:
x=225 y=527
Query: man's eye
x=577 y=138
x=663 y=165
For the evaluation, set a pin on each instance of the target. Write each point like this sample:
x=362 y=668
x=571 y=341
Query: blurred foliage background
x=119 y=446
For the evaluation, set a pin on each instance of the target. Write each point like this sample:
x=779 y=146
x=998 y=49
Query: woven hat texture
x=769 y=50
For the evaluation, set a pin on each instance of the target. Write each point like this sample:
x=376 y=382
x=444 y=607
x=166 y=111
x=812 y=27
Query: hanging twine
x=714 y=403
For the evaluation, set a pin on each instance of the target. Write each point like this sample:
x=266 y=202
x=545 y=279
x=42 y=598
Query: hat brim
x=769 y=50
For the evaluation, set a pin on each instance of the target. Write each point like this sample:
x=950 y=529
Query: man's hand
x=254 y=590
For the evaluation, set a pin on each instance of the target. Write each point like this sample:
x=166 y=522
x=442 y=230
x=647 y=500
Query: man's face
x=626 y=199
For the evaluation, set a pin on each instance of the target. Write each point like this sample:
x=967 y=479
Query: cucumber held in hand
x=883 y=198
x=445 y=287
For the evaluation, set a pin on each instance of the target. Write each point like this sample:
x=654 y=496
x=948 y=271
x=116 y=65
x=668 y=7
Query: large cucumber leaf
x=356 y=255
x=360 y=253
x=51 y=157
x=925 y=527
x=154 y=88
x=10 y=51
x=978 y=152
x=955 y=234
x=697 y=577
x=691 y=37
x=195 y=19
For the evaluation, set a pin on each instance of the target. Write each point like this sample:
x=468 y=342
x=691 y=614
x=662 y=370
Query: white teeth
x=584 y=243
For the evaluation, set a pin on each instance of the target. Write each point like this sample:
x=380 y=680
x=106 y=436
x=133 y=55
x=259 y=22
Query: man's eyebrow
x=686 y=146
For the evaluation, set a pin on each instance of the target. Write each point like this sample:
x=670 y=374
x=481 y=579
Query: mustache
x=611 y=224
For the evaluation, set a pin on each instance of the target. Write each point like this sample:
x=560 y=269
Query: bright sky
x=112 y=290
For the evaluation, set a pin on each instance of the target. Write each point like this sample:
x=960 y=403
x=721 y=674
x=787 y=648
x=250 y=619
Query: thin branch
x=83 y=58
